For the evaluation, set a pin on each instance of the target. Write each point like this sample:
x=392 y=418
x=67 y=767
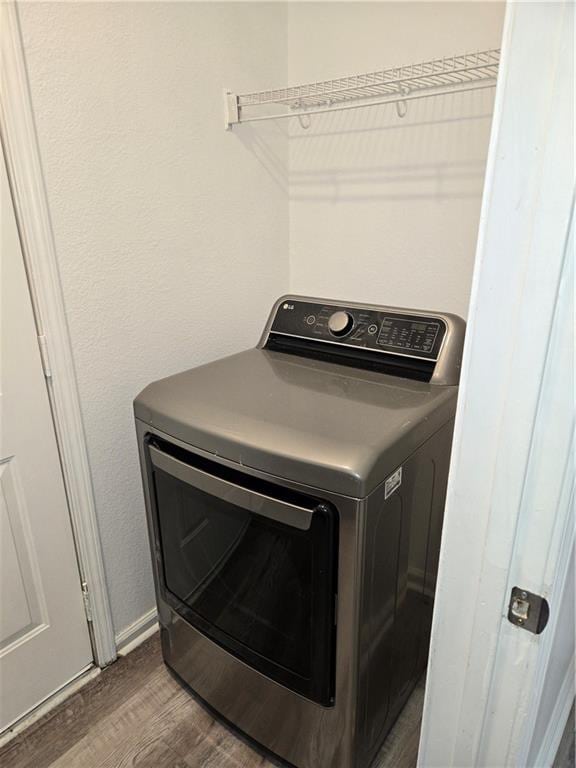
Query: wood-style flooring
x=136 y=714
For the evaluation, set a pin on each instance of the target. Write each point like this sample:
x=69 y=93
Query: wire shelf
x=470 y=71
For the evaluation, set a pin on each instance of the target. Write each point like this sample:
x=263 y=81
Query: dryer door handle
x=253 y=501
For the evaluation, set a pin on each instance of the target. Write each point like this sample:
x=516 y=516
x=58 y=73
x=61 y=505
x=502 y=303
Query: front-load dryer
x=294 y=497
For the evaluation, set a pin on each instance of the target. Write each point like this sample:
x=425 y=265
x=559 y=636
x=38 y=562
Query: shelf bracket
x=231 y=111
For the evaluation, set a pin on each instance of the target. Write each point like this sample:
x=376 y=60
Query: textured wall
x=171 y=234
x=161 y=217
x=386 y=209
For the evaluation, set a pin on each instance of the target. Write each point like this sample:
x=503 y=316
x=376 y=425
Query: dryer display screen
x=406 y=334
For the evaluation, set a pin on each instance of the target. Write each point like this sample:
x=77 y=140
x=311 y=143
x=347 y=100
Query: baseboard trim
x=558 y=720
x=137 y=632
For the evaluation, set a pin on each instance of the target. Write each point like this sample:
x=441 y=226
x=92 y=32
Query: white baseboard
x=135 y=634
x=558 y=720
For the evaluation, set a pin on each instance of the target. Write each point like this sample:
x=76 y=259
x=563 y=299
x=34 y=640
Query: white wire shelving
x=454 y=74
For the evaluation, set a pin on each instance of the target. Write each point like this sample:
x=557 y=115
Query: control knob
x=340 y=323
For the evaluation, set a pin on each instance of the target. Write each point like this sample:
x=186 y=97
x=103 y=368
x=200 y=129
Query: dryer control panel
x=411 y=335
x=399 y=342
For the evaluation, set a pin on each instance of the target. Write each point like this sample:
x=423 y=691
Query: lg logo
x=288 y=306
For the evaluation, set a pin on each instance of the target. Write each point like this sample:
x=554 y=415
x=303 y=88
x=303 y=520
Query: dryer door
x=250 y=564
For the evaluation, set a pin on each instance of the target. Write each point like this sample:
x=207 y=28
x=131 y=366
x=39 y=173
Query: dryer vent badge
x=393 y=482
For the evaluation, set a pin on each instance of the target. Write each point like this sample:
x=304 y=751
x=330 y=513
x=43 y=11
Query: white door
x=44 y=638
x=499 y=695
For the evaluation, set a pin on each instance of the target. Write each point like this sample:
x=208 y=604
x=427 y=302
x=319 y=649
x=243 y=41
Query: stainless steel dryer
x=294 y=495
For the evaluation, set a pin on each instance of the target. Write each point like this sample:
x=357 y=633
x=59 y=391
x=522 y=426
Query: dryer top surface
x=312 y=422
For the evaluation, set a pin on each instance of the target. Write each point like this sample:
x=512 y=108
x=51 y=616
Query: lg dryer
x=294 y=495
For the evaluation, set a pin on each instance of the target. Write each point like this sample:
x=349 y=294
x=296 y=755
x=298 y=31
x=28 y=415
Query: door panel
x=23 y=607
x=44 y=638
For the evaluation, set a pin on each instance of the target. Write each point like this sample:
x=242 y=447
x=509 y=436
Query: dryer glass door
x=251 y=565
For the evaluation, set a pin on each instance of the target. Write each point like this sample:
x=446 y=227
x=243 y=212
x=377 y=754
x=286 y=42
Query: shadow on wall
x=436 y=152
x=262 y=140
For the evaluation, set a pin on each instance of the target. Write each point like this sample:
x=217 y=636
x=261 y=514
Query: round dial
x=340 y=323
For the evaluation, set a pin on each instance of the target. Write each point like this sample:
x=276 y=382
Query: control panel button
x=311 y=319
x=340 y=323
x=372 y=329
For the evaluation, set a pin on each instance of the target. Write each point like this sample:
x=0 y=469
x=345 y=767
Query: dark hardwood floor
x=136 y=714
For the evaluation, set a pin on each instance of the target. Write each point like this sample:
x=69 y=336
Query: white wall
x=384 y=209
x=171 y=234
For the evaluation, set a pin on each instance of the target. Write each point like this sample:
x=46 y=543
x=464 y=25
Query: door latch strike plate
x=527 y=610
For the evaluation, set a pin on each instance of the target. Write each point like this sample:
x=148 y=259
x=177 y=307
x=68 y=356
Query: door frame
x=19 y=140
x=510 y=502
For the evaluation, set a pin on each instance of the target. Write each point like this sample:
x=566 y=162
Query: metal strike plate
x=528 y=610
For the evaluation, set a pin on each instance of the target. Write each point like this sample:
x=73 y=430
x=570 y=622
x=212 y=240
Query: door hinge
x=43 y=344
x=86 y=599
x=528 y=610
